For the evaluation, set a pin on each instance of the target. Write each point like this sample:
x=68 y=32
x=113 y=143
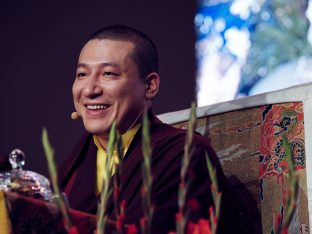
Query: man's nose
x=92 y=88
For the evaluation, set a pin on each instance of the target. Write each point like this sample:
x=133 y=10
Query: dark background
x=39 y=46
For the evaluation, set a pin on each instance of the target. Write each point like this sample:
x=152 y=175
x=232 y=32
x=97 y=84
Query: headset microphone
x=74 y=115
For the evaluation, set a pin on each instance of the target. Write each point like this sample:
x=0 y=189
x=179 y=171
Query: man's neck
x=103 y=140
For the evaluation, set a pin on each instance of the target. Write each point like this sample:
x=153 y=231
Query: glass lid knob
x=17 y=159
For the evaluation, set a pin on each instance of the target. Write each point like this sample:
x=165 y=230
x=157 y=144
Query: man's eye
x=81 y=74
x=109 y=74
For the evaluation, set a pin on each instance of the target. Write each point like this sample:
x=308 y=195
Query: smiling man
x=117 y=79
x=109 y=85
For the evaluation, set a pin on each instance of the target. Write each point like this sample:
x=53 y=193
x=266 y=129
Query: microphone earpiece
x=147 y=104
x=74 y=115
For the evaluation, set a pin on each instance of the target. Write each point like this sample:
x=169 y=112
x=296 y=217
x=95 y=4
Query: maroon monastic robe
x=78 y=177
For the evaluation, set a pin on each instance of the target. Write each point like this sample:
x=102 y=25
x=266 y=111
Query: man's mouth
x=97 y=107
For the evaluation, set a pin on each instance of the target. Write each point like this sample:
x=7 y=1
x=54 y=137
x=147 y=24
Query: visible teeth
x=96 y=107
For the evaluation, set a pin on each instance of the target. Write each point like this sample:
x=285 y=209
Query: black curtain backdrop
x=39 y=46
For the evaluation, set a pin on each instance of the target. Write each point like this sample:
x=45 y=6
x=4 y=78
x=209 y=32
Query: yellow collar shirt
x=101 y=156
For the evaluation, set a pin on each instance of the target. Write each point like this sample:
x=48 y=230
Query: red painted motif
x=280 y=119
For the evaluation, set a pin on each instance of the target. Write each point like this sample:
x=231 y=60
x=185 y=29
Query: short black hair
x=145 y=53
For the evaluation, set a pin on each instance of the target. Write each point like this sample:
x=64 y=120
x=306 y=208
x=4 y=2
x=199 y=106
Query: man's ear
x=152 y=82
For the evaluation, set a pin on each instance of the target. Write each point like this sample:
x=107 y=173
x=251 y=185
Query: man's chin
x=98 y=131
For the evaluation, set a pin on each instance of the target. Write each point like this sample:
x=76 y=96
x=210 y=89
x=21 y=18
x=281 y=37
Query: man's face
x=108 y=86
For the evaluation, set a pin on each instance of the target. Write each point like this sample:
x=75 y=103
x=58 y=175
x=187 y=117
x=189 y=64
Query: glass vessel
x=24 y=182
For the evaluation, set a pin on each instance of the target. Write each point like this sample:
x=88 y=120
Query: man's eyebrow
x=85 y=65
